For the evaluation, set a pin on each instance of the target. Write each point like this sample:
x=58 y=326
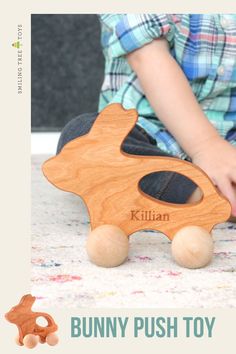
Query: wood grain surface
x=25 y=319
x=94 y=167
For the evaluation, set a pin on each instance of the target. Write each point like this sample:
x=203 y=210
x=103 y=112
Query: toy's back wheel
x=52 y=339
x=107 y=246
x=192 y=247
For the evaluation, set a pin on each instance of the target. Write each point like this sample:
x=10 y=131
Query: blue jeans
x=167 y=186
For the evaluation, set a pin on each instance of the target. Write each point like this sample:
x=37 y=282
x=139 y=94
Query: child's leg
x=76 y=127
x=167 y=186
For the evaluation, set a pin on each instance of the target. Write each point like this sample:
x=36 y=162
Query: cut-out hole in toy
x=159 y=185
x=41 y=321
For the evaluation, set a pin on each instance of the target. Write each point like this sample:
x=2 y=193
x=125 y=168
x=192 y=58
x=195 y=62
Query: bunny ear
x=27 y=300
x=114 y=121
x=103 y=140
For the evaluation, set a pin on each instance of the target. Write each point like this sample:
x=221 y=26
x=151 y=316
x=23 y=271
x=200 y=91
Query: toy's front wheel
x=30 y=341
x=192 y=247
x=107 y=246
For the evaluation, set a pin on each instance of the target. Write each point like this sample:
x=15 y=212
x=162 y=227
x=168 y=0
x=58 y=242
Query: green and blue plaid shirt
x=204 y=45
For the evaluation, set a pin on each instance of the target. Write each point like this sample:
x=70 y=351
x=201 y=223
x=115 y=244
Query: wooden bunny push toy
x=94 y=167
x=30 y=333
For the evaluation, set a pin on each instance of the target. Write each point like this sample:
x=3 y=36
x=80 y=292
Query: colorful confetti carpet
x=62 y=275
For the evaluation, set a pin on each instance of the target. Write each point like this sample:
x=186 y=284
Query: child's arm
x=171 y=97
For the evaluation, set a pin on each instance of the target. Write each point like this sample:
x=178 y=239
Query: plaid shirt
x=205 y=48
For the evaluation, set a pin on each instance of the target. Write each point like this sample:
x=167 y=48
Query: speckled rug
x=63 y=276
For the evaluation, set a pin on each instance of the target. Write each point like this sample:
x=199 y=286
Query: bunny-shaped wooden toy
x=30 y=333
x=94 y=167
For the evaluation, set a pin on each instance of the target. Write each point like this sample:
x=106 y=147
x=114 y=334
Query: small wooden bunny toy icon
x=94 y=167
x=30 y=333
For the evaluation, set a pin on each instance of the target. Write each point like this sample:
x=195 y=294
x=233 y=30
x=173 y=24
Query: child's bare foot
x=197 y=195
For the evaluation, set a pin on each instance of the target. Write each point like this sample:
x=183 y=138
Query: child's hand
x=218 y=159
x=171 y=97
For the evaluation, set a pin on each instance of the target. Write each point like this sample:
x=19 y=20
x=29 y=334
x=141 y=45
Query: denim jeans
x=167 y=186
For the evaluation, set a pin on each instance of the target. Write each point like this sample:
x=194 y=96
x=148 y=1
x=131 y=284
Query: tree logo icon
x=17 y=45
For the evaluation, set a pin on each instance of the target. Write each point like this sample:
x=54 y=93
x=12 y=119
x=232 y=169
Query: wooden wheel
x=30 y=341
x=107 y=246
x=192 y=247
x=52 y=339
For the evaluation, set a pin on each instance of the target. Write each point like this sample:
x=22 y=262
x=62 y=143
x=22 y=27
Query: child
x=179 y=73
